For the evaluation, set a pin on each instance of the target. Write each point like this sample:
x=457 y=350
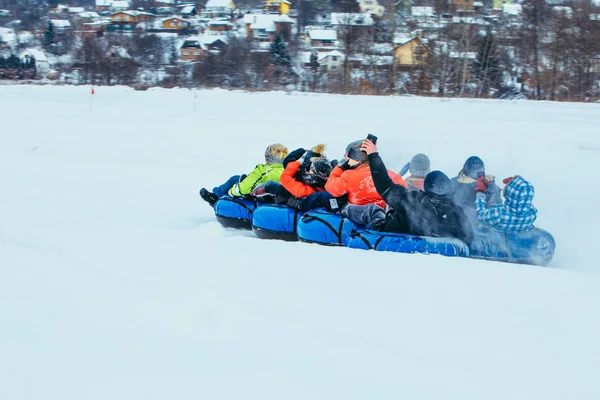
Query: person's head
x=518 y=194
x=354 y=155
x=275 y=153
x=318 y=173
x=419 y=166
x=317 y=152
x=474 y=167
x=436 y=184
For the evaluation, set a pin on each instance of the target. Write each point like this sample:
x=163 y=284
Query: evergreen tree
x=49 y=35
x=314 y=66
x=2 y=62
x=279 y=58
x=174 y=56
x=13 y=62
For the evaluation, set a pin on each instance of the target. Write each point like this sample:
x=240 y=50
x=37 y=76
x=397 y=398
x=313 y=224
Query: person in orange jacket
x=353 y=178
x=312 y=180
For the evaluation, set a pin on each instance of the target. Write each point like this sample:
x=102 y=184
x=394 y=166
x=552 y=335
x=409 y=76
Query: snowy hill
x=117 y=282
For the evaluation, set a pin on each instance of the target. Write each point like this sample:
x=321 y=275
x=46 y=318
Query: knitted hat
x=436 y=183
x=419 y=166
x=275 y=153
x=354 y=152
x=473 y=166
x=321 y=167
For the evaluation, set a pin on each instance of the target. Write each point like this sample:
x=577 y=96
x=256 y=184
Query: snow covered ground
x=116 y=282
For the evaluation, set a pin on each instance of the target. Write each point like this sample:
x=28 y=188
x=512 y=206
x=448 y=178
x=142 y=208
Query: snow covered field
x=116 y=282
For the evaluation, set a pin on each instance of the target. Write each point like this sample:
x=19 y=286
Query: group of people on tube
x=362 y=189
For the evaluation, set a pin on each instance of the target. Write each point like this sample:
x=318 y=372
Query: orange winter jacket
x=296 y=188
x=358 y=184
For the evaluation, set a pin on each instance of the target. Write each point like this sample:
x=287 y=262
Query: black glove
x=293 y=156
x=295 y=203
x=344 y=165
x=306 y=164
x=334 y=163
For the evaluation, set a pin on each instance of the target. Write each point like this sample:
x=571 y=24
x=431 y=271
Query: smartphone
x=372 y=138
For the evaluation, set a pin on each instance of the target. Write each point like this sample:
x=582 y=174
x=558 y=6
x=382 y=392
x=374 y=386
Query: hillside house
x=194 y=48
x=422 y=14
x=220 y=26
x=278 y=6
x=188 y=11
x=103 y=5
x=412 y=53
x=265 y=27
x=119 y=5
x=61 y=25
x=175 y=24
x=321 y=38
x=218 y=8
x=371 y=7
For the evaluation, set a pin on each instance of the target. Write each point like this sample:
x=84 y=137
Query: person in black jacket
x=427 y=213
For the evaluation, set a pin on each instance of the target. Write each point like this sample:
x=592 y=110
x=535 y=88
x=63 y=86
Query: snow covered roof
x=118 y=51
x=512 y=9
x=322 y=34
x=187 y=9
x=565 y=11
x=103 y=3
x=422 y=11
x=305 y=55
x=88 y=15
x=353 y=19
x=120 y=4
x=400 y=39
x=335 y=53
x=220 y=23
x=477 y=4
x=218 y=3
x=471 y=55
x=4 y=13
x=261 y=21
x=76 y=10
x=61 y=23
x=38 y=54
x=7 y=35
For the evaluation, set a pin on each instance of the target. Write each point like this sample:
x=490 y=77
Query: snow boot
x=208 y=197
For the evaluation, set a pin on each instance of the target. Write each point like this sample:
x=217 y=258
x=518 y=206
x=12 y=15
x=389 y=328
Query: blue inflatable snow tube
x=405 y=243
x=532 y=247
x=320 y=226
x=235 y=212
x=276 y=221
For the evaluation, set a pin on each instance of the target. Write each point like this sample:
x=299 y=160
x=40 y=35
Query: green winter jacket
x=262 y=173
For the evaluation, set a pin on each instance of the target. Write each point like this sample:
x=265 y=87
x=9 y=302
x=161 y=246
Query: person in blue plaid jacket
x=516 y=214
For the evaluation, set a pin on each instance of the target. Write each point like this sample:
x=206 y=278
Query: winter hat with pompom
x=436 y=183
x=275 y=153
x=321 y=167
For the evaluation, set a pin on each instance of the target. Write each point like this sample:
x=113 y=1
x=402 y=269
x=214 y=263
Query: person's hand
x=368 y=147
x=482 y=184
x=343 y=164
x=302 y=158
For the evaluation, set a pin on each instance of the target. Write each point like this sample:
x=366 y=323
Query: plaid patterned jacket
x=516 y=214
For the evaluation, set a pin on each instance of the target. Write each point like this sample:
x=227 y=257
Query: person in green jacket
x=243 y=185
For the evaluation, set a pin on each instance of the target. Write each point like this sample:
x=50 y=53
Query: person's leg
x=222 y=190
x=370 y=215
x=316 y=200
